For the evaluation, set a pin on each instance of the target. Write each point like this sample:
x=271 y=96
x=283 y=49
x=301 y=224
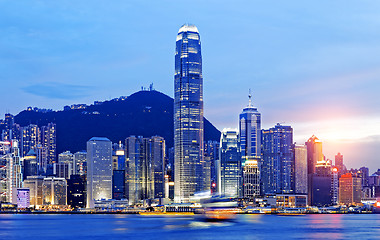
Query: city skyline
x=340 y=67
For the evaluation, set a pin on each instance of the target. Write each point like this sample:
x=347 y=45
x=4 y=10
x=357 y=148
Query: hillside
x=145 y=113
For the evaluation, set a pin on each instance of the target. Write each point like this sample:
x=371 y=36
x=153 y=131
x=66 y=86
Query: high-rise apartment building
x=277 y=171
x=229 y=164
x=99 y=170
x=188 y=114
x=49 y=141
x=31 y=137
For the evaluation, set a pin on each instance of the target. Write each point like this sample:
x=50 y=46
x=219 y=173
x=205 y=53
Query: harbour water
x=124 y=226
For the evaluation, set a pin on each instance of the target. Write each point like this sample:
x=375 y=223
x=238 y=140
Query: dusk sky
x=312 y=65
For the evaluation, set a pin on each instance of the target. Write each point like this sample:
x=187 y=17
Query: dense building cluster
x=249 y=164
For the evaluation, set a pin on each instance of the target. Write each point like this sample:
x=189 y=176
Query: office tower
x=339 y=163
x=66 y=157
x=335 y=185
x=30 y=164
x=364 y=175
x=64 y=167
x=188 y=114
x=76 y=191
x=41 y=153
x=321 y=187
x=34 y=183
x=62 y=170
x=300 y=169
x=251 y=177
x=118 y=157
x=350 y=189
x=118 y=184
x=139 y=178
x=229 y=164
x=278 y=163
x=16 y=168
x=54 y=191
x=314 y=154
x=157 y=154
x=145 y=168
x=99 y=170
x=80 y=165
x=4 y=160
x=49 y=141
x=211 y=152
x=250 y=131
x=31 y=137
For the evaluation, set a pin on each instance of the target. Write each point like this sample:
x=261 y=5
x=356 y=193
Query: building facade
x=188 y=114
x=300 y=169
x=99 y=170
x=229 y=164
x=277 y=172
x=350 y=187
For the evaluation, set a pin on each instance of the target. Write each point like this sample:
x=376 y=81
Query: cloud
x=55 y=90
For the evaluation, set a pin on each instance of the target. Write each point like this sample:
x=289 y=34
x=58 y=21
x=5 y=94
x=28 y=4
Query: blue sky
x=314 y=65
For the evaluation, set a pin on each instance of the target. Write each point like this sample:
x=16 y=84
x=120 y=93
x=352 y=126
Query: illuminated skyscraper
x=145 y=159
x=188 y=114
x=300 y=169
x=278 y=163
x=250 y=131
x=229 y=164
x=49 y=141
x=99 y=170
x=314 y=154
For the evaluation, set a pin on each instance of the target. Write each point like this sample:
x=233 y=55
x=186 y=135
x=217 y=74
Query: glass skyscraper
x=250 y=131
x=99 y=170
x=278 y=162
x=229 y=166
x=188 y=114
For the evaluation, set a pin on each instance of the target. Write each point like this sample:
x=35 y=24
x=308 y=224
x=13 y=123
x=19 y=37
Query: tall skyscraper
x=278 y=163
x=49 y=141
x=145 y=168
x=157 y=154
x=188 y=114
x=300 y=169
x=99 y=170
x=250 y=131
x=339 y=164
x=31 y=137
x=314 y=154
x=229 y=164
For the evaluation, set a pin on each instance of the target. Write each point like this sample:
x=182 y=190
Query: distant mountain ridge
x=144 y=113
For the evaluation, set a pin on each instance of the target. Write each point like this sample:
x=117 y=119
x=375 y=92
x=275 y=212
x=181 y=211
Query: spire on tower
x=250 y=99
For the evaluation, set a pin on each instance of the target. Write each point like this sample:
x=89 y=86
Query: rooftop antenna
x=250 y=99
